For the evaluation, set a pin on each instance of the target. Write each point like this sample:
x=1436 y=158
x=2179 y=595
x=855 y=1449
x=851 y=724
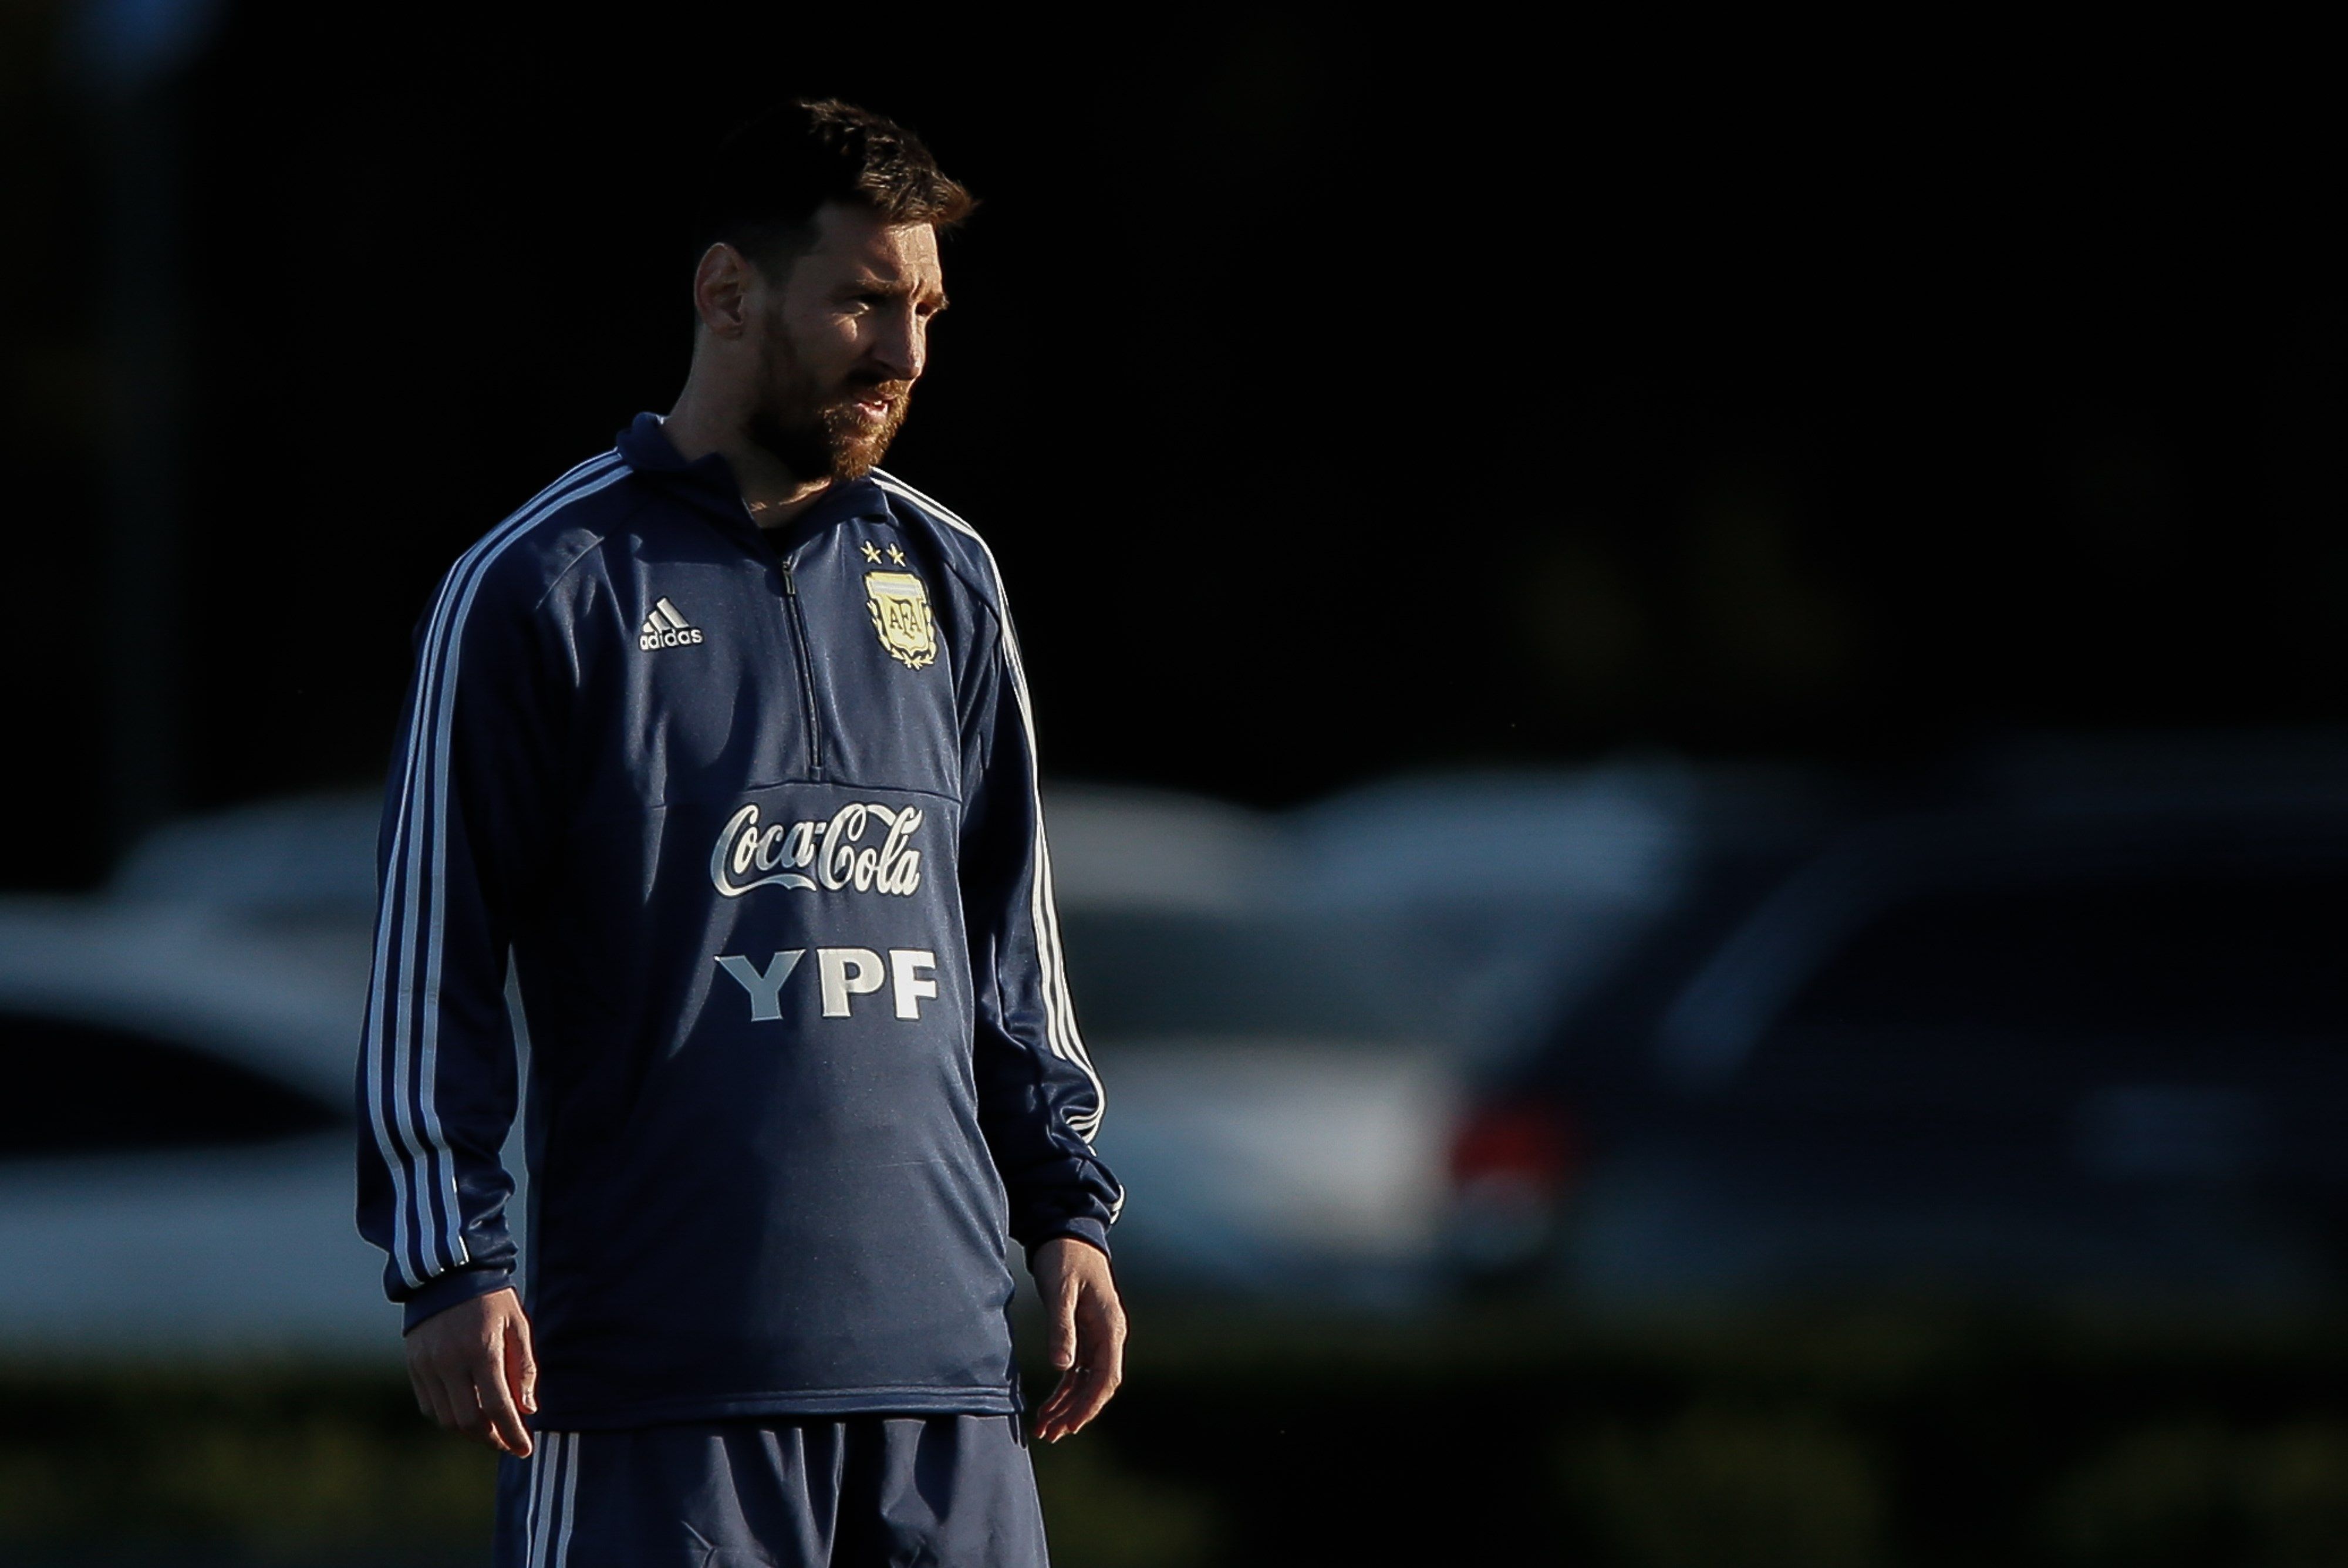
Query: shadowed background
x=1337 y=398
x=1343 y=401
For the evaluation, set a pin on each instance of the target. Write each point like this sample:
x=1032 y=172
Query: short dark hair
x=768 y=178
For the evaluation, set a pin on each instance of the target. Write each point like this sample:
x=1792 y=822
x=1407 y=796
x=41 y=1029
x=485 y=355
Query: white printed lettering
x=847 y=972
x=899 y=869
x=764 y=988
x=837 y=862
x=834 y=849
x=910 y=988
x=770 y=845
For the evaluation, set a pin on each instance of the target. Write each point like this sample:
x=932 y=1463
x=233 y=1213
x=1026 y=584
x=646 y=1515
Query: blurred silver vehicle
x=1286 y=1009
x=175 y=1148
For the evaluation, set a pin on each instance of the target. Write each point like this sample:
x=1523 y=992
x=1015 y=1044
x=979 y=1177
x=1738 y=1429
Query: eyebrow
x=893 y=287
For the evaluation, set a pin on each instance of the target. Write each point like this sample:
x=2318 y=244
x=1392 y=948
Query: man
x=725 y=737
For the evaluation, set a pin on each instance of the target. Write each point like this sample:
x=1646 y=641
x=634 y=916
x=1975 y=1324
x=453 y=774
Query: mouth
x=874 y=405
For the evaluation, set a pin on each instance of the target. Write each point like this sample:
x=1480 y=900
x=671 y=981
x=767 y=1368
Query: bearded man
x=725 y=739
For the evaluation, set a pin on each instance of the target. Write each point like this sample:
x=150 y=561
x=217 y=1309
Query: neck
x=702 y=423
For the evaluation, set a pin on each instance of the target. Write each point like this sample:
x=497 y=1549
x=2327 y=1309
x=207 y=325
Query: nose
x=902 y=347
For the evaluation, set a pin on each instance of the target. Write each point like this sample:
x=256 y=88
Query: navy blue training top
x=757 y=824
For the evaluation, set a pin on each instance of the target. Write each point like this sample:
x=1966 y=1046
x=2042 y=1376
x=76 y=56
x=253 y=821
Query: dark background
x=1340 y=398
x=1337 y=400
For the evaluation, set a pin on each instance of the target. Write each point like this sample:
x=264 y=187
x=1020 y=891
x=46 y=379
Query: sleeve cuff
x=1090 y=1231
x=451 y=1290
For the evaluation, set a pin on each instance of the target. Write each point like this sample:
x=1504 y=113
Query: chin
x=854 y=459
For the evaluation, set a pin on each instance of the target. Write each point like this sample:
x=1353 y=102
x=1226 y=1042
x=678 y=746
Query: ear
x=722 y=287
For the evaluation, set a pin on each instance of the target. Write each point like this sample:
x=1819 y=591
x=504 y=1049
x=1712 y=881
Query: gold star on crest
x=896 y=555
x=870 y=553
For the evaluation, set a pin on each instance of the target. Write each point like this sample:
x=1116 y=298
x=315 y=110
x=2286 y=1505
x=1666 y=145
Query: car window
x=1145 y=974
x=2256 y=950
x=79 y=1088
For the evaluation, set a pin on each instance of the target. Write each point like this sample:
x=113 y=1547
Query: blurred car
x=2081 y=1036
x=1274 y=1131
x=181 y=1170
x=175 y=1145
x=1287 y=1007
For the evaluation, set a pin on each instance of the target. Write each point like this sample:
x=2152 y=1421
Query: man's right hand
x=473 y=1372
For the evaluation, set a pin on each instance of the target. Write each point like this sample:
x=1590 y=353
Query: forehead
x=853 y=241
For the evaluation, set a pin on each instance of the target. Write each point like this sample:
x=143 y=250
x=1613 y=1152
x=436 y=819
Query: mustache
x=861 y=388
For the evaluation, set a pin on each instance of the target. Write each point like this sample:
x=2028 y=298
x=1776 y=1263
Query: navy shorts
x=861 y=1492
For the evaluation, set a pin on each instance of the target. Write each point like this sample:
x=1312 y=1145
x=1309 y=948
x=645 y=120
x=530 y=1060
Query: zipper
x=807 y=666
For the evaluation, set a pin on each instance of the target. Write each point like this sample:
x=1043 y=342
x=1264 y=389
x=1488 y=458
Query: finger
x=519 y=1385
x=1052 y=1412
x=464 y=1403
x=436 y=1390
x=522 y=1364
x=503 y=1421
x=423 y=1378
x=1064 y=1425
x=1056 y=1404
x=1080 y=1396
x=1089 y=1397
x=417 y=1386
x=1086 y=1391
x=434 y=1403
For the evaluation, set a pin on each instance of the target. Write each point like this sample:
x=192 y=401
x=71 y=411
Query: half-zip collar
x=708 y=484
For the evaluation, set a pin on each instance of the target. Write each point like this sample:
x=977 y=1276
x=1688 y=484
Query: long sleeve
x=467 y=813
x=1040 y=1100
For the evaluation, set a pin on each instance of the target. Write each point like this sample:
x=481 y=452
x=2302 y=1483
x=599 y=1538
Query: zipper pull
x=790 y=581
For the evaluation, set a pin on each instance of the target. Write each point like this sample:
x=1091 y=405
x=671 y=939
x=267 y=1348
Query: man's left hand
x=1088 y=1333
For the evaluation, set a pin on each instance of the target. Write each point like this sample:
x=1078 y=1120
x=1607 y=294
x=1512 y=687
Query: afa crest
x=900 y=614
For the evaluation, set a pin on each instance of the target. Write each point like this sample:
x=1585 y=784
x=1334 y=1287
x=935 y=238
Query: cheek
x=830 y=351
x=819 y=340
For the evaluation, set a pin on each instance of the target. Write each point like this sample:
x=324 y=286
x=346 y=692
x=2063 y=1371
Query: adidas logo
x=667 y=628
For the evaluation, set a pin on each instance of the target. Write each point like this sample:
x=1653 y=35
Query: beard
x=814 y=431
